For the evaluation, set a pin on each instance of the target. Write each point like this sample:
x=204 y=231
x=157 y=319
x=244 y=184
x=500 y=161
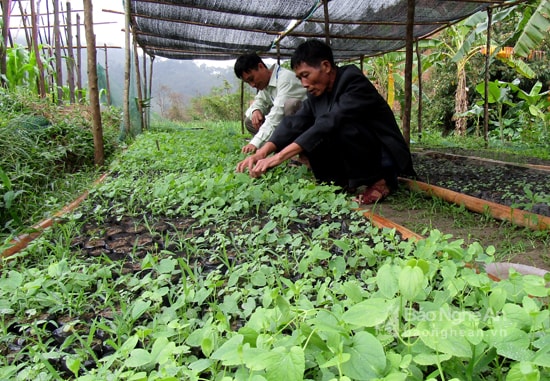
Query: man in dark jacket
x=345 y=128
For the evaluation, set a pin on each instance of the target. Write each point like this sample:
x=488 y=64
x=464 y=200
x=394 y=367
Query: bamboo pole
x=79 y=60
x=145 y=92
x=139 y=100
x=419 y=70
x=486 y=79
x=407 y=109
x=70 y=54
x=242 y=107
x=57 y=54
x=93 y=90
x=108 y=82
x=38 y=57
x=6 y=10
x=127 y=68
x=23 y=240
x=501 y=212
x=152 y=58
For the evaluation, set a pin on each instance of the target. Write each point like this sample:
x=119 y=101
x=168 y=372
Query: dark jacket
x=353 y=115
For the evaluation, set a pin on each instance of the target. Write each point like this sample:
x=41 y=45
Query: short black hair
x=247 y=62
x=312 y=53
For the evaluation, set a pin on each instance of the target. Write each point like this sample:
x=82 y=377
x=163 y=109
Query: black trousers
x=351 y=159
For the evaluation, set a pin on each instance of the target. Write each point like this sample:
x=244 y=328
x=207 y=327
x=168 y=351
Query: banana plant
x=533 y=28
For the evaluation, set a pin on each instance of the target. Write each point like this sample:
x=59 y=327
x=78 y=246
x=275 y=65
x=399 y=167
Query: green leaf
x=369 y=313
x=411 y=280
x=138 y=357
x=535 y=30
x=368 y=359
x=431 y=358
x=230 y=353
x=287 y=364
x=386 y=279
x=139 y=308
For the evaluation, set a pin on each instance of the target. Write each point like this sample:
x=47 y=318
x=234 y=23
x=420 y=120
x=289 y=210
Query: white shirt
x=283 y=85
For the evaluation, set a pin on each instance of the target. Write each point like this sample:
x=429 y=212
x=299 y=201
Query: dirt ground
x=489 y=180
x=416 y=211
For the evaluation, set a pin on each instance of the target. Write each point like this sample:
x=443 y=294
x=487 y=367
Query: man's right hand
x=247 y=163
x=257 y=119
x=249 y=148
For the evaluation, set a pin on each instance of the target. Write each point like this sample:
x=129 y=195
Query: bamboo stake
x=152 y=59
x=419 y=69
x=486 y=79
x=108 y=83
x=41 y=78
x=145 y=92
x=498 y=211
x=406 y=117
x=93 y=90
x=127 y=67
x=79 y=60
x=139 y=100
x=70 y=54
x=6 y=7
x=57 y=54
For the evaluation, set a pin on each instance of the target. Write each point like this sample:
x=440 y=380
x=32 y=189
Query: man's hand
x=247 y=163
x=249 y=148
x=251 y=161
x=263 y=165
x=257 y=119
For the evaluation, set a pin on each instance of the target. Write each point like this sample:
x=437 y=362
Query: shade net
x=225 y=29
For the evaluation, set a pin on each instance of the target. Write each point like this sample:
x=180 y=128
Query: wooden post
x=139 y=100
x=41 y=78
x=70 y=54
x=127 y=68
x=57 y=54
x=242 y=107
x=419 y=69
x=6 y=7
x=79 y=60
x=108 y=83
x=406 y=118
x=486 y=79
x=327 y=22
x=145 y=93
x=97 y=129
x=152 y=58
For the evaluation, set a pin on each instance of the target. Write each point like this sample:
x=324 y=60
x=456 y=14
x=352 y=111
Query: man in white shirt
x=280 y=94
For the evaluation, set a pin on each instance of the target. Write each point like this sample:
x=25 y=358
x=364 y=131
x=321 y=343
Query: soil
x=524 y=185
x=128 y=240
x=490 y=180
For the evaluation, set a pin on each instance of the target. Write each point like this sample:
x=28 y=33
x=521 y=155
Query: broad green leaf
x=523 y=371
x=445 y=336
x=230 y=353
x=167 y=265
x=431 y=358
x=386 y=279
x=73 y=364
x=368 y=313
x=535 y=30
x=411 y=280
x=340 y=358
x=139 y=308
x=368 y=359
x=138 y=357
x=289 y=364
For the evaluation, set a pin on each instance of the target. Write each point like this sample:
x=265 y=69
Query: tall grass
x=47 y=157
